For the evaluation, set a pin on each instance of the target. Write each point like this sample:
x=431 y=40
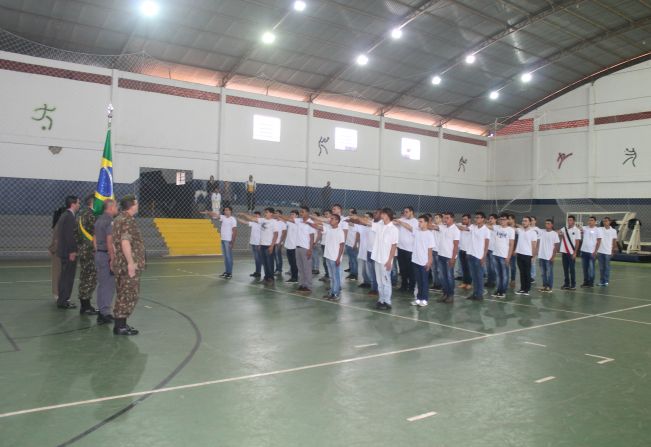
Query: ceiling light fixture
x=470 y=59
x=149 y=8
x=396 y=33
x=299 y=6
x=362 y=59
x=526 y=77
x=436 y=80
x=268 y=37
x=494 y=94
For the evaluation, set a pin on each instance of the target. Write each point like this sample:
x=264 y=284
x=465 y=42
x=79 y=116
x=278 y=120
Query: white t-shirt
x=546 y=244
x=363 y=232
x=423 y=241
x=447 y=237
x=352 y=234
x=539 y=232
x=525 y=238
x=385 y=237
x=370 y=238
x=590 y=236
x=325 y=224
x=503 y=238
x=406 y=237
x=573 y=234
x=290 y=239
x=333 y=238
x=303 y=233
x=478 y=237
x=282 y=226
x=608 y=235
x=491 y=242
x=228 y=223
x=267 y=229
x=254 y=239
x=464 y=241
x=437 y=239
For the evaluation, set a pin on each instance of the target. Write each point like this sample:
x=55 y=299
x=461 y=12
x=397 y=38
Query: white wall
x=596 y=167
x=214 y=137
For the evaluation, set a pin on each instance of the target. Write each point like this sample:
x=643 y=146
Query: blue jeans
x=394 y=272
x=362 y=264
x=466 y=275
x=569 y=270
x=434 y=270
x=490 y=266
x=383 y=277
x=587 y=261
x=502 y=270
x=316 y=257
x=257 y=257
x=352 y=260
x=604 y=268
x=227 y=251
x=370 y=271
x=293 y=267
x=336 y=272
x=447 y=276
x=267 y=262
x=477 y=275
x=513 y=267
x=422 y=281
x=547 y=272
x=278 y=258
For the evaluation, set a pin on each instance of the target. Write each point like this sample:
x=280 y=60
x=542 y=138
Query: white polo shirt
x=423 y=241
x=370 y=238
x=303 y=234
x=333 y=238
x=607 y=237
x=290 y=239
x=569 y=236
x=406 y=237
x=254 y=239
x=267 y=229
x=590 y=236
x=503 y=236
x=464 y=241
x=525 y=238
x=385 y=237
x=478 y=238
x=363 y=232
x=228 y=223
x=352 y=233
x=546 y=244
x=447 y=238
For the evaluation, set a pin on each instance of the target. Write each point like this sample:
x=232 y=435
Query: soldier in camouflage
x=128 y=264
x=87 y=272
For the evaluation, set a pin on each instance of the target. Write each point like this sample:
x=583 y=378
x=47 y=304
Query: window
x=410 y=148
x=345 y=139
x=266 y=128
x=180 y=177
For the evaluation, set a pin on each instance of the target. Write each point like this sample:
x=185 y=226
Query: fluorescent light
x=470 y=59
x=149 y=8
x=268 y=37
x=299 y=6
x=526 y=77
x=396 y=33
x=494 y=94
x=436 y=80
x=362 y=59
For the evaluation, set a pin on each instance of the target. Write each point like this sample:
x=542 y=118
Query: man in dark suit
x=67 y=251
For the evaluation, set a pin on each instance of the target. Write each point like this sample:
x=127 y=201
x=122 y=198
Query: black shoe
x=105 y=319
x=255 y=275
x=334 y=298
x=223 y=275
x=564 y=287
x=449 y=300
x=228 y=276
x=67 y=305
x=347 y=270
x=292 y=280
x=90 y=310
x=365 y=285
x=125 y=330
x=378 y=305
x=384 y=306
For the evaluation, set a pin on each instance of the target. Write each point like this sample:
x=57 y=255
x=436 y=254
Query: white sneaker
x=415 y=303
x=422 y=303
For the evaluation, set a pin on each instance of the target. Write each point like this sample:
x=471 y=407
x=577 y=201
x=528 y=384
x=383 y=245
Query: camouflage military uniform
x=87 y=273
x=127 y=288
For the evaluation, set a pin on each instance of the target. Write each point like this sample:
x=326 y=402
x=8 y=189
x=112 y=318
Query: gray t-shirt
x=103 y=226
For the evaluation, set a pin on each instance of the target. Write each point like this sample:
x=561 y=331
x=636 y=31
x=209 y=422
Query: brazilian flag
x=104 y=189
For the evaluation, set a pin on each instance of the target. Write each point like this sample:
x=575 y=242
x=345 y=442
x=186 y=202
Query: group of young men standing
x=424 y=251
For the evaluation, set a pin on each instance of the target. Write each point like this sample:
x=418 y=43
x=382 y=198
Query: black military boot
x=86 y=308
x=121 y=327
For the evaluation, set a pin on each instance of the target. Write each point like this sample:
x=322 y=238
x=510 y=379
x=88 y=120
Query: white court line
x=603 y=359
x=148 y=307
x=421 y=416
x=545 y=379
x=534 y=344
x=365 y=346
x=290 y=370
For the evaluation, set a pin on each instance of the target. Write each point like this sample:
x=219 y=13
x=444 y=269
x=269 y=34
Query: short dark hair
x=526 y=217
x=466 y=215
x=449 y=213
x=256 y=213
x=306 y=208
x=532 y=217
x=481 y=214
x=388 y=212
x=71 y=200
x=369 y=214
x=89 y=199
x=279 y=211
x=127 y=202
x=353 y=211
x=269 y=209
x=504 y=215
x=336 y=204
x=410 y=208
x=316 y=213
x=337 y=217
x=550 y=220
x=606 y=217
x=294 y=212
x=571 y=216
x=438 y=215
x=228 y=208
x=592 y=217
x=425 y=217
x=493 y=215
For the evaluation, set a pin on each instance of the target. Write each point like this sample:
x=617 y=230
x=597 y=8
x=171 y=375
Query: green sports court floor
x=232 y=363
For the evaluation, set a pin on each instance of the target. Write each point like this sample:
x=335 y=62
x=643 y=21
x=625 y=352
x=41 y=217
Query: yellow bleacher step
x=184 y=237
